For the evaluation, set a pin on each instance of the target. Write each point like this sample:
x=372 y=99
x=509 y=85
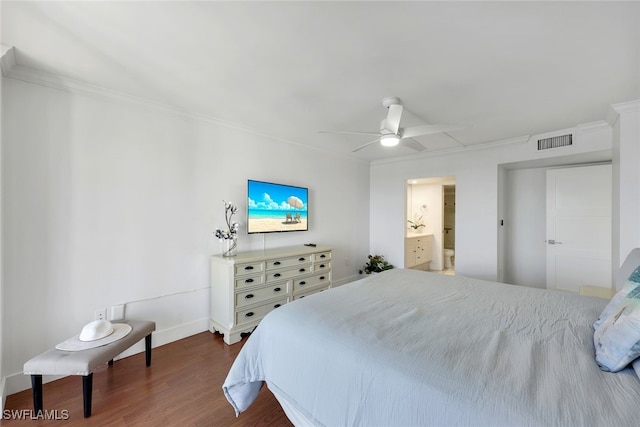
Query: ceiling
x=289 y=69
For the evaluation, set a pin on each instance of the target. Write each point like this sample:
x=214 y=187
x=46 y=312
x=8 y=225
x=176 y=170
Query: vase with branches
x=229 y=236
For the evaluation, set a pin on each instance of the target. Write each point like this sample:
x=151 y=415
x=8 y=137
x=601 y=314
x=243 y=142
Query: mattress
x=411 y=348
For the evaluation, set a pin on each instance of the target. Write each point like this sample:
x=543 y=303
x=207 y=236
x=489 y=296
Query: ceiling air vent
x=555 y=142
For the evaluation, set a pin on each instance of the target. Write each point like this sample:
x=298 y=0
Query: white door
x=579 y=227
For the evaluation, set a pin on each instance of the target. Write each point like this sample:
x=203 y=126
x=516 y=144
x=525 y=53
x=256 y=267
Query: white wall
x=625 y=120
x=525 y=227
x=476 y=175
x=110 y=202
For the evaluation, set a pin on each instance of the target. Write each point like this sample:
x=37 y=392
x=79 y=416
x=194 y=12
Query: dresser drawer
x=274 y=264
x=246 y=281
x=322 y=256
x=288 y=274
x=257 y=313
x=309 y=292
x=249 y=268
x=310 y=282
x=254 y=296
x=321 y=266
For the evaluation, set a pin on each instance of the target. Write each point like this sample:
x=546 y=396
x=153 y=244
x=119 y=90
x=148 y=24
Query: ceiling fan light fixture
x=389 y=140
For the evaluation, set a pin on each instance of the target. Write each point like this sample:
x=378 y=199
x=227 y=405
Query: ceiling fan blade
x=366 y=145
x=392 y=122
x=349 y=132
x=429 y=129
x=413 y=144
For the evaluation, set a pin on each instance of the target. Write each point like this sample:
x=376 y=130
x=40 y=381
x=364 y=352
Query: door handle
x=553 y=242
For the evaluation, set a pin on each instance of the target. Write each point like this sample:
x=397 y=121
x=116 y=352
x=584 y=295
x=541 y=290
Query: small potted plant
x=376 y=264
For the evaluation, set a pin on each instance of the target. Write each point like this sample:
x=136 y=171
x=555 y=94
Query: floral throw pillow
x=617 y=340
x=630 y=284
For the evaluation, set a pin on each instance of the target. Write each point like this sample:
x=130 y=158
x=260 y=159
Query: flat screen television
x=276 y=208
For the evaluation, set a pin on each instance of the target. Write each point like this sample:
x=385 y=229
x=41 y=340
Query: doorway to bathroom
x=430 y=218
x=449 y=229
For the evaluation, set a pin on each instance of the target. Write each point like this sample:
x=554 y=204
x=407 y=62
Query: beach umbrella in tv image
x=295 y=202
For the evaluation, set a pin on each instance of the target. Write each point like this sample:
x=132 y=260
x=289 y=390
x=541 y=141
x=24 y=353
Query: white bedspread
x=409 y=348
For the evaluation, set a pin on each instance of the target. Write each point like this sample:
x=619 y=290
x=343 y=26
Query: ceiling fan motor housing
x=391 y=100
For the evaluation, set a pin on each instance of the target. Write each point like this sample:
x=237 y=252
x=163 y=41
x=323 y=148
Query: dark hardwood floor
x=182 y=387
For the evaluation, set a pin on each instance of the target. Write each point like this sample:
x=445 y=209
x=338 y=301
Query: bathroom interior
x=431 y=201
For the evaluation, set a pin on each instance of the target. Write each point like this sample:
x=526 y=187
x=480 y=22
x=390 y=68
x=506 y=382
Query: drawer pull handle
x=276 y=275
x=301 y=259
x=321 y=277
x=301 y=296
x=302 y=270
x=277 y=289
x=303 y=283
x=249 y=267
x=276 y=306
x=248 y=281
x=249 y=296
x=249 y=314
x=323 y=256
x=276 y=263
x=322 y=265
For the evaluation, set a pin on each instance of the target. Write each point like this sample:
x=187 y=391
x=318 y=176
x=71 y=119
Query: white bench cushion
x=84 y=362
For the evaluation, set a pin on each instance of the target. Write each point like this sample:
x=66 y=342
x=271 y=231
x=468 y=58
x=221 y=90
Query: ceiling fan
x=391 y=134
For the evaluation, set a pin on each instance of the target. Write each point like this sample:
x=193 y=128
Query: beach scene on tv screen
x=276 y=207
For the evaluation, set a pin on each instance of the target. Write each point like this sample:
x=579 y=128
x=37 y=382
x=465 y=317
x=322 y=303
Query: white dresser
x=246 y=287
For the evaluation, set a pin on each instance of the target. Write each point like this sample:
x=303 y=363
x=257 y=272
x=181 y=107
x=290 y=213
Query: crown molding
x=16 y=71
x=7 y=59
x=54 y=81
x=616 y=110
x=10 y=68
x=593 y=126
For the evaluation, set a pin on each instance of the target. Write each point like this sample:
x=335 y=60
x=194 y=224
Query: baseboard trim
x=169 y=335
x=3 y=395
x=18 y=382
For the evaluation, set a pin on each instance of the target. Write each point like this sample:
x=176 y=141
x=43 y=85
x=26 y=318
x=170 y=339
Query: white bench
x=84 y=362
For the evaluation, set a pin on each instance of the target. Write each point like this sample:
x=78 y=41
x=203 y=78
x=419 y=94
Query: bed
x=412 y=348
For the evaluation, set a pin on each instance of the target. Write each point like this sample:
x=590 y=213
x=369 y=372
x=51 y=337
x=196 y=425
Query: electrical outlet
x=117 y=312
x=100 y=314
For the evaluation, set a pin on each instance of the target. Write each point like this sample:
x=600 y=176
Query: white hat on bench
x=95 y=334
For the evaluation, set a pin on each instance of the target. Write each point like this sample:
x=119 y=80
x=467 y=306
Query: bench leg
x=147 y=349
x=36 y=386
x=87 y=391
